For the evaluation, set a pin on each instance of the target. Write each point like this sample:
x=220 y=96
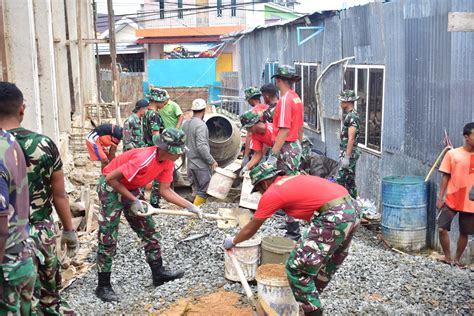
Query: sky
x=306 y=6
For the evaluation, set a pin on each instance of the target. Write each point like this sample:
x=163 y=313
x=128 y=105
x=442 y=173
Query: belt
x=15 y=249
x=336 y=202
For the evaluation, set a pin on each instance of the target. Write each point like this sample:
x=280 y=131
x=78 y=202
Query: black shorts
x=466 y=220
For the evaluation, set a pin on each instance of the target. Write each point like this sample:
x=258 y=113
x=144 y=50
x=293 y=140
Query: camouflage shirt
x=13 y=189
x=269 y=113
x=351 y=120
x=151 y=122
x=133 y=133
x=42 y=160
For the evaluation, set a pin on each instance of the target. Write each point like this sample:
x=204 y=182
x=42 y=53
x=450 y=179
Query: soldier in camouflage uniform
x=152 y=126
x=132 y=127
x=349 y=153
x=46 y=187
x=118 y=191
x=17 y=265
x=270 y=97
x=333 y=218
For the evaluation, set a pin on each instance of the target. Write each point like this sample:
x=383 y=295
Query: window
x=180 y=9
x=162 y=9
x=219 y=8
x=305 y=89
x=233 y=7
x=368 y=83
x=270 y=70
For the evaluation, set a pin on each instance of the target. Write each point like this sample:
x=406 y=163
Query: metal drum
x=404 y=215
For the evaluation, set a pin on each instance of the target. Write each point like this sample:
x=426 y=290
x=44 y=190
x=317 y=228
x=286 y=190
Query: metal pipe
x=318 y=94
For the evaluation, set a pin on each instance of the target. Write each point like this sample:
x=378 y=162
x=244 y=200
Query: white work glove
x=345 y=162
x=272 y=159
x=69 y=239
x=137 y=207
x=228 y=243
x=243 y=171
x=196 y=210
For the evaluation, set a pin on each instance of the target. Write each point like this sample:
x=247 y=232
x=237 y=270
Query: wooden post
x=3 y=44
x=97 y=60
x=113 y=56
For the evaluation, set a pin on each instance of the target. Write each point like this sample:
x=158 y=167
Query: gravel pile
x=372 y=280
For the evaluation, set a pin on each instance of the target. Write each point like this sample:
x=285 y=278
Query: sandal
x=443 y=260
x=459 y=265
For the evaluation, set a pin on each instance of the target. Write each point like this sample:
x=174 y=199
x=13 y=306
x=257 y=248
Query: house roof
x=188 y=31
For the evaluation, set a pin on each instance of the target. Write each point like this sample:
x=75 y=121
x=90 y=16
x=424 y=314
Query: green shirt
x=170 y=114
x=42 y=160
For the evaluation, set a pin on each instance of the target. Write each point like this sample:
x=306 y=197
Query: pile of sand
x=218 y=303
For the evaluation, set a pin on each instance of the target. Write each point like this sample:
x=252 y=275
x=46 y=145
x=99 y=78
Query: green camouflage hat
x=348 y=96
x=251 y=92
x=262 y=172
x=249 y=119
x=172 y=140
x=159 y=95
x=287 y=72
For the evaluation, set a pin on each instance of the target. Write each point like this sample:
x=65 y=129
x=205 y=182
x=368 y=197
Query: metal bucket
x=276 y=249
x=224 y=139
x=276 y=291
x=247 y=199
x=248 y=255
x=404 y=215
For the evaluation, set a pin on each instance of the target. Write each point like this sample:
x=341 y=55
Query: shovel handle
x=152 y=211
x=243 y=280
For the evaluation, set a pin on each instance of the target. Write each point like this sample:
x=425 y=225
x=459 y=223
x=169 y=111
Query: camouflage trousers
x=17 y=283
x=49 y=277
x=346 y=175
x=155 y=194
x=112 y=205
x=320 y=252
x=289 y=159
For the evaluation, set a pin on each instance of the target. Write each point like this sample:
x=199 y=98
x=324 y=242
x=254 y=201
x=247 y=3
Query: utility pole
x=97 y=60
x=113 y=56
x=3 y=46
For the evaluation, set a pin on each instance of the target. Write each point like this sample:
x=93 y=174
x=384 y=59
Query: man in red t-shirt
x=119 y=190
x=253 y=97
x=262 y=137
x=458 y=184
x=333 y=215
x=287 y=123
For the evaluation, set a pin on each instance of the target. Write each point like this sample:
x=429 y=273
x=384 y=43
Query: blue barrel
x=404 y=215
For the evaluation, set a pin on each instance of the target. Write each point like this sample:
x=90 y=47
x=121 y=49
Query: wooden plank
x=461 y=22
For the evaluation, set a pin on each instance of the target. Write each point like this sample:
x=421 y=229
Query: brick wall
x=185 y=96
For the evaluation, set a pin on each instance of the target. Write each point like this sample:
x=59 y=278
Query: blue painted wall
x=194 y=72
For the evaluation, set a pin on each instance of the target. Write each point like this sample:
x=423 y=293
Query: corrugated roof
x=188 y=31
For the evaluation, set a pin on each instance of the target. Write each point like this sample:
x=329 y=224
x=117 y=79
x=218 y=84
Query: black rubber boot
x=314 y=313
x=161 y=275
x=293 y=230
x=104 y=290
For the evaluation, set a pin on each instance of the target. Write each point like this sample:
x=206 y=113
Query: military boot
x=293 y=230
x=161 y=275
x=104 y=289
x=314 y=313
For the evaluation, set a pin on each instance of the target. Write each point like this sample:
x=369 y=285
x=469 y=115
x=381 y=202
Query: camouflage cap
x=287 y=72
x=172 y=140
x=159 y=95
x=262 y=172
x=251 y=92
x=249 y=119
x=348 y=96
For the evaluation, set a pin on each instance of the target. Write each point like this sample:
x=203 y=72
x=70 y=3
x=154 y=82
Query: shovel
x=243 y=280
x=241 y=216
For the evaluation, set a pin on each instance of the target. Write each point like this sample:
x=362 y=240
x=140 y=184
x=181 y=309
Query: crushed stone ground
x=372 y=280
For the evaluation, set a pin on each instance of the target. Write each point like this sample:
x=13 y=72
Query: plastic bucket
x=276 y=249
x=221 y=182
x=247 y=199
x=248 y=255
x=273 y=287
